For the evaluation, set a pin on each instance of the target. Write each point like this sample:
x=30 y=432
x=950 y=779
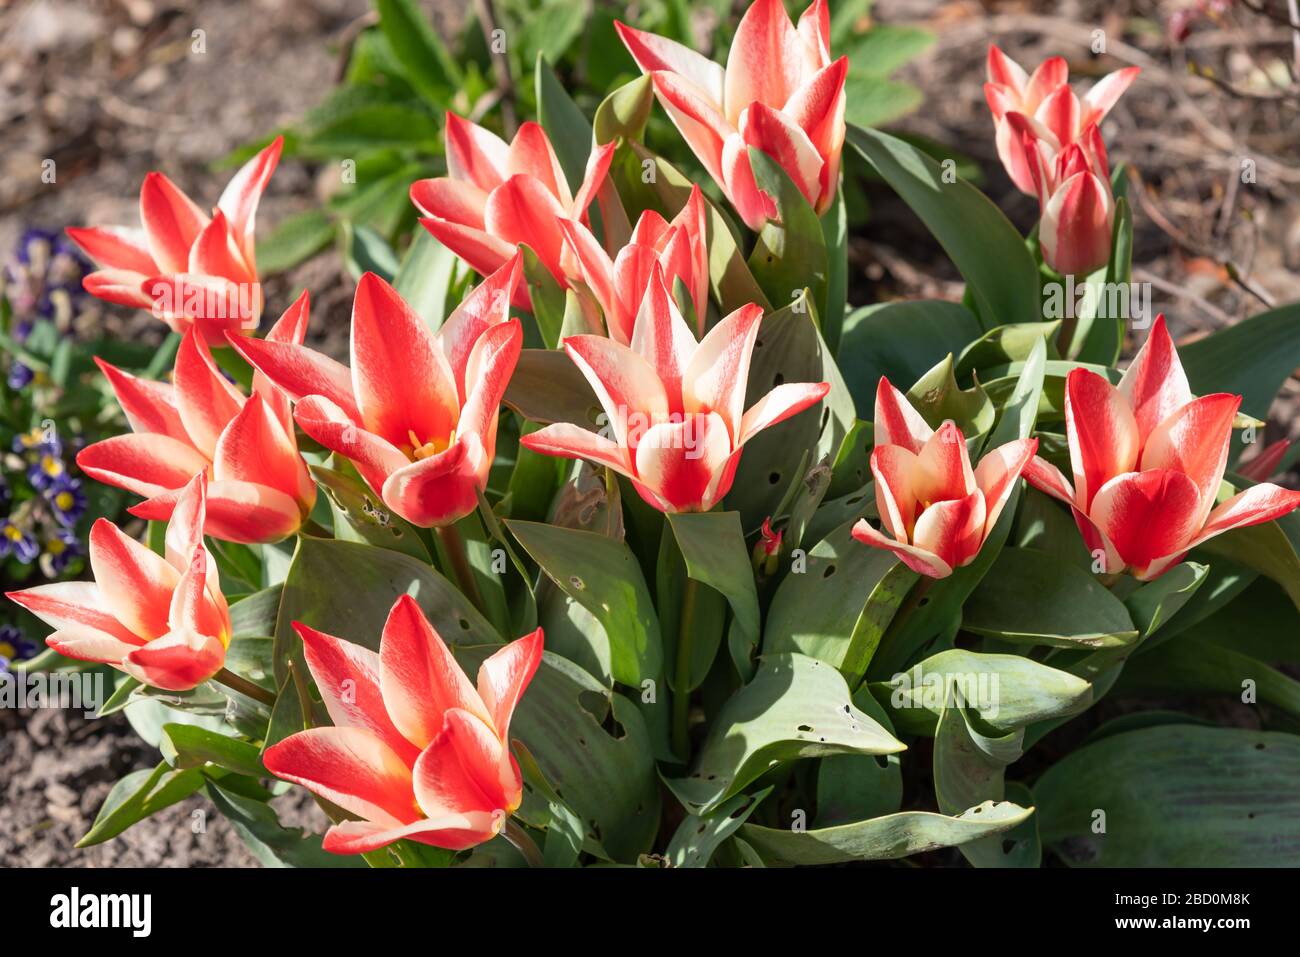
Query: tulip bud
x=767 y=550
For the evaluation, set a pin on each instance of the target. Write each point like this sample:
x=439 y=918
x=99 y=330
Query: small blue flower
x=20 y=376
x=67 y=500
x=14 y=646
x=47 y=471
x=18 y=542
x=60 y=549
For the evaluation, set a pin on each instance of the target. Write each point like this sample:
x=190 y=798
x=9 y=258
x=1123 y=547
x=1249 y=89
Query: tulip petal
x=474 y=154
x=1147 y=515
x=195 y=614
x=1075 y=228
x=661 y=337
x=171 y=222
x=633 y=269
x=531 y=154
x=485 y=253
x=455 y=200
x=1154 y=383
x=697 y=117
x=766 y=61
x=488 y=305
x=786 y=400
x=753 y=205
x=349 y=678
x=454 y=832
x=523 y=210
x=917 y=559
x=1097 y=102
x=597 y=272
x=717 y=376
x=943 y=471
x=785 y=142
x=421 y=681
x=896 y=421
x=1051 y=75
x=206 y=401
x=374 y=457
x=254 y=448
x=401 y=380
x=1102 y=433
x=624 y=383
x=952 y=529
x=574 y=442
x=240 y=197
x=1060 y=113
x=150 y=406
x=460 y=771
x=299 y=371
x=489 y=367
x=184 y=530
x=440 y=489
x=1047 y=478
x=1004 y=70
x=893 y=467
x=216 y=253
x=89 y=644
x=997 y=473
x=504 y=676
x=135 y=583
x=119 y=286
x=68 y=606
x=1259 y=503
x=241 y=512
x=679 y=460
x=1194 y=440
x=350 y=767
x=142 y=463
x=817 y=107
x=593 y=179
x=178 y=661
x=652 y=53
x=115 y=247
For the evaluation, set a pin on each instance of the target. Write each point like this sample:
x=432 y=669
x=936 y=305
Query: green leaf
x=886 y=47
x=835 y=231
x=855 y=787
x=293 y=241
x=1019 y=413
x=1152 y=605
x=360 y=516
x=347 y=589
x=424 y=278
x=1252 y=358
x=796 y=707
x=901 y=340
x=713 y=545
x=698 y=837
x=836 y=608
x=872 y=101
x=568 y=129
x=1176 y=795
x=427 y=64
x=185 y=746
x=1006 y=692
x=1269 y=549
x=625 y=112
x=937 y=397
x=883 y=838
x=1006 y=344
x=548 y=298
x=270 y=842
x=602 y=575
x=138 y=795
x=983 y=245
x=547 y=387
x=790 y=252
x=1034 y=598
x=365 y=250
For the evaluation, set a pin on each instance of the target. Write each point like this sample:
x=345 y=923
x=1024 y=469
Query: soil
x=110 y=89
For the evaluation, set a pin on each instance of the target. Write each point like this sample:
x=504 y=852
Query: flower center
x=423 y=450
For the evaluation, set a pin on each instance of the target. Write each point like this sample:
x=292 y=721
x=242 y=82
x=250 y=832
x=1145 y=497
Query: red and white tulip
x=417 y=412
x=780 y=92
x=937 y=509
x=1055 y=114
x=259 y=488
x=1147 y=460
x=162 y=620
x=496 y=195
x=191 y=270
x=678 y=247
x=416 y=751
x=675 y=407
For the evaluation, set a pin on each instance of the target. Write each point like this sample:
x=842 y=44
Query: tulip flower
x=780 y=92
x=1051 y=109
x=162 y=620
x=938 y=510
x=1148 y=459
x=259 y=489
x=496 y=196
x=619 y=285
x=416 y=751
x=417 y=412
x=1078 y=209
x=189 y=269
x=1266 y=462
x=675 y=407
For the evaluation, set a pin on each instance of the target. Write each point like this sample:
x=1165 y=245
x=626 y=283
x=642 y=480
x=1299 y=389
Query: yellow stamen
x=423 y=450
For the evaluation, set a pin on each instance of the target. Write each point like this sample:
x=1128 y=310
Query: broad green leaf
x=983 y=245
x=625 y=112
x=1034 y=598
x=1152 y=605
x=883 y=838
x=1251 y=358
x=360 y=516
x=835 y=232
x=837 y=606
x=138 y=795
x=901 y=340
x=1262 y=623
x=1006 y=344
x=856 y=787
x=937 y=397
x=885 y=47
x=790 y=252
x=547 y=387
x=1175 y=795
x=873 y=101
x=548 y=298
x=424 y=278
x=185 y=746
x=1019 y=413
x=1005 y=692
x=365 y=250
x=426 y=62
x=713 y=545
x=1269 y=549
x=698 y=837
x=294 y=240
x=796 y=707
x=270 y=842
x=567 y=128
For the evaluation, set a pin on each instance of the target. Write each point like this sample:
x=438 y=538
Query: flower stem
x=453 y=545
x=681 y=741
x=245 y=687
x=523 y=843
